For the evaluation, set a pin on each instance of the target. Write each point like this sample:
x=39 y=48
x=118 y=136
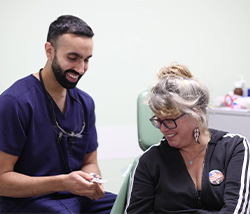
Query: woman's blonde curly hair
x=177 y=91
x=175 y=70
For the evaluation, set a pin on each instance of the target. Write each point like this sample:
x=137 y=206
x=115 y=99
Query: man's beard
x=60 y=75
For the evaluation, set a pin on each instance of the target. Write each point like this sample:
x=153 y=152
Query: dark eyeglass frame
x=155 y=122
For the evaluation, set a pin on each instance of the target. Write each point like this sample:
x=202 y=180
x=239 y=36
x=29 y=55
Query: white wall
x=133 y=40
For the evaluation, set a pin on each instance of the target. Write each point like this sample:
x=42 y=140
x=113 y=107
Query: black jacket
x=162 y=184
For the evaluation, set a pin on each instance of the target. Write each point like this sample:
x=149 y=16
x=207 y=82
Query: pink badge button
x=216 y=177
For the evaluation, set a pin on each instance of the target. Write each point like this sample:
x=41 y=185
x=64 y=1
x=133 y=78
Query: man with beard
x=48 y=139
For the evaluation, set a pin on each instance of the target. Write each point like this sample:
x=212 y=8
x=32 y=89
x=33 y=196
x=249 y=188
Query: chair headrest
x=147 y=134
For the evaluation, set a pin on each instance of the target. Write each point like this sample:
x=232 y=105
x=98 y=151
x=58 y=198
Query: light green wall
x=133 y=40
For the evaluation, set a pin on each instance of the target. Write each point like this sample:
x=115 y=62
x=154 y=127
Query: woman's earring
x=197 y=135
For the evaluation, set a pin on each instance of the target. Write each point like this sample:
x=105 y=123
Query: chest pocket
x=76 y=150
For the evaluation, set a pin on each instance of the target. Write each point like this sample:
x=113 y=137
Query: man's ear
x=50 y=50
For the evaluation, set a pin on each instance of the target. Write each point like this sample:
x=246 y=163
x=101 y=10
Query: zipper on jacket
x=199 y=199
x=199 y=193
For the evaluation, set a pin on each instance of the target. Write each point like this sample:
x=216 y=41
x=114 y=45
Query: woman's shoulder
x=219 y=136
x=228 y=143
x=155 y=151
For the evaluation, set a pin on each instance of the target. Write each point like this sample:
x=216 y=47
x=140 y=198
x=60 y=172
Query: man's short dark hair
x=68 y=24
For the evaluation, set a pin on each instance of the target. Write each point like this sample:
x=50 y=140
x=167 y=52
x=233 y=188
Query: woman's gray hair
x=176 y=92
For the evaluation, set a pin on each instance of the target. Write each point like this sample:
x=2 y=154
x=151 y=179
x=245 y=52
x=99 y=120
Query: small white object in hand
x=96 y=179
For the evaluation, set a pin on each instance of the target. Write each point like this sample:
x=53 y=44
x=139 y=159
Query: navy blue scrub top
x=26 y=129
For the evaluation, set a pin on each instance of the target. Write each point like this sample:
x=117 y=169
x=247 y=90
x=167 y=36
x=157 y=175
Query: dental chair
x=147 y=136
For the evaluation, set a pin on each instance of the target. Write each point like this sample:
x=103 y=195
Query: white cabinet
x=236 y=121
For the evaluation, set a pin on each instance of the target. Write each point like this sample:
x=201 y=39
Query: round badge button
x=216 y=177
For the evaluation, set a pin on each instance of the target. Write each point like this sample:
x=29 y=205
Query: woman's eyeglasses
x=168 y=123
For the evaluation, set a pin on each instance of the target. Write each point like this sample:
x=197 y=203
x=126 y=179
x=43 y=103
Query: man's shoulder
x=21 y=86
x=80 y=92
x=81 y=95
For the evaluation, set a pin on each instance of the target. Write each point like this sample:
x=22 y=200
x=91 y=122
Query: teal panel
x=147 y=133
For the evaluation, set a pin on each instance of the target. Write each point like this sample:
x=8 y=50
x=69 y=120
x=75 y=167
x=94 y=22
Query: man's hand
x=79 y=183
